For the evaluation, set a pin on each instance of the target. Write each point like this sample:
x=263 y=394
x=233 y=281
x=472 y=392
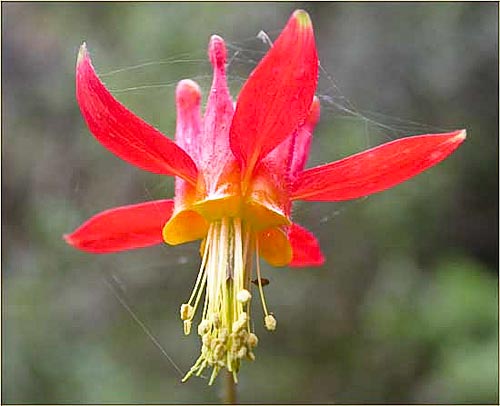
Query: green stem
x=230 y=389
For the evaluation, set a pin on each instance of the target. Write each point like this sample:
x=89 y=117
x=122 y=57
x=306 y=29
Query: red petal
x=305 y=247
x=376 y=169
x=122 y=228
x=187 y=135
x=215 y=153
x=189 y=123
x=276 y=98
x=267 y=194
x=303 y=138
x=289 y=157
x=122 y=132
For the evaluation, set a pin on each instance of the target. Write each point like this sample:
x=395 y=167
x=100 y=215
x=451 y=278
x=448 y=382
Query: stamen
x=269 y=320
x=188 y=310
x=225 y=277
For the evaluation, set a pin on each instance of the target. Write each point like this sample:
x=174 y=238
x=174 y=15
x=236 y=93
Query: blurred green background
x=405 y=309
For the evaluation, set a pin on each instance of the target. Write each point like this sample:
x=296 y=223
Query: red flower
x=238 y=170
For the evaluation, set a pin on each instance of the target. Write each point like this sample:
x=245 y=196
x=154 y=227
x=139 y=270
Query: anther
x=270 y=322
x=219 y=351
x=236 y=326
x=223 y=335
x=243 y=296
x=240 y=323
x=186 y=311
x=252 y=340
x=203 y=327
x=243 y=334
x=187 y=327
x=242 y=352
x=216 y=320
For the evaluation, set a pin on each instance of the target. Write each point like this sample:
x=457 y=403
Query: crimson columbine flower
x=238 y=170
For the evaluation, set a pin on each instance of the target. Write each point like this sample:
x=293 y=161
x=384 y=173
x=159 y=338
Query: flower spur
x=237 y=171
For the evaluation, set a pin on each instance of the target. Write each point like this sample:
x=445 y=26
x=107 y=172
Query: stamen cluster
x=225 y=275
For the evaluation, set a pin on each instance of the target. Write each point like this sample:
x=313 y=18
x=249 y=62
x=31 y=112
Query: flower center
x=226 y=277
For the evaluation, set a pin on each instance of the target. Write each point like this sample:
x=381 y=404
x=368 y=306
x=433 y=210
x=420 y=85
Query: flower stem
x=229 y=389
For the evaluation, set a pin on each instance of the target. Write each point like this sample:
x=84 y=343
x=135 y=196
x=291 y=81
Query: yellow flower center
x=226 y=278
